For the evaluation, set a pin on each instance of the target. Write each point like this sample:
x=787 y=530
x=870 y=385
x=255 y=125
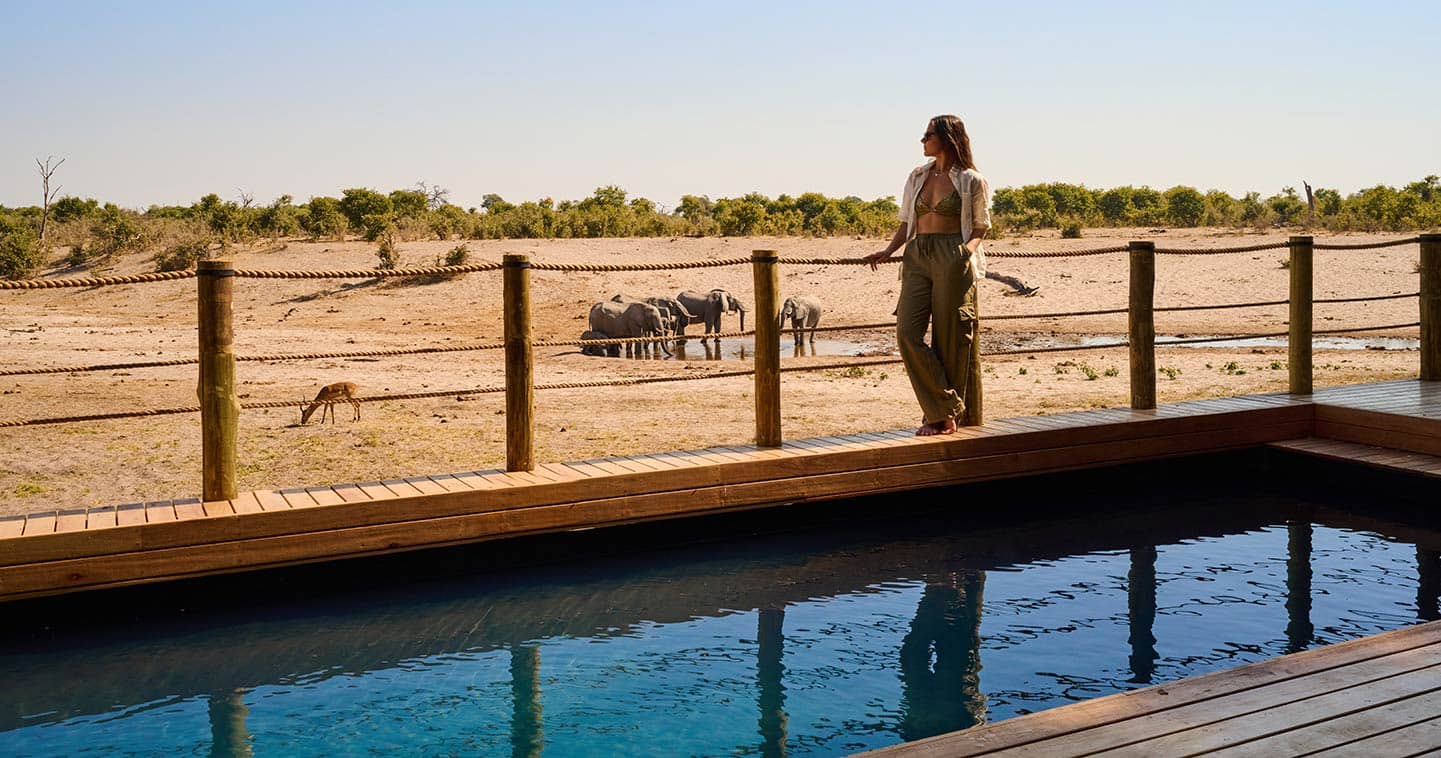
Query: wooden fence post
x=768 y=348
x=519 y=366
x=972 y=414
x=1141 y=322
x=1431 y=307
x=1302 y=316
x=219 y=406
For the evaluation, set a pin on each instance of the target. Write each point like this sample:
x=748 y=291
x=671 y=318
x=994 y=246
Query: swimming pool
x=905 y=618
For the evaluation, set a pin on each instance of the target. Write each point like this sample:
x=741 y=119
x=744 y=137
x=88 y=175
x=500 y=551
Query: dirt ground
x=94 y=463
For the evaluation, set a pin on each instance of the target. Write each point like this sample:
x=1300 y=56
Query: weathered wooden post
x=768 y=348
x=1302 y=317
x=1431 y=307
x=1141 y=323
x=219 y=406
x=519 y=367
x=973 y=414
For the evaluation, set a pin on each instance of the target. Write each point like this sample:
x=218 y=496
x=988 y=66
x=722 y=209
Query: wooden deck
x=1376 y=696
x=68 y=550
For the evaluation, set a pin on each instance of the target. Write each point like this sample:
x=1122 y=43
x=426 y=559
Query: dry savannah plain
x=74 y=465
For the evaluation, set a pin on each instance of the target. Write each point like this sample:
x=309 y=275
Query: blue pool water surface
x=826 y=641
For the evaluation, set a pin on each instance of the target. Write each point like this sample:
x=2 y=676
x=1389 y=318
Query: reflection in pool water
x=820 y=642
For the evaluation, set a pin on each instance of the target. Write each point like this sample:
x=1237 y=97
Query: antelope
x=327 y=397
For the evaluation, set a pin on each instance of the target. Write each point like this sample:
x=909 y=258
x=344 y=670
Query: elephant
x=672 y=312
x=804 y=313
x=709 y=307
x=598 y=350
x=615 y=320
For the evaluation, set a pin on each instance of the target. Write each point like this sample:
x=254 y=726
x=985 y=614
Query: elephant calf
x=598 y=350
x=616 y=320
x=804 y=312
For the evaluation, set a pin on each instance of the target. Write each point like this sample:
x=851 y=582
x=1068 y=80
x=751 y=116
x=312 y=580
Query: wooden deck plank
x=270 y=500
x=1422 y=738
x=1295 y=739
x=400 y=488
x=188 y=508
x=72 y=520
x=100 y=517
x=425 y=485
x=450 y=483
x=12 y=526
x=1079 y=722
x=374 y=490
x=296 y=497
x=159 y=512
x=1301 y=710
x=130 y=514
x=247 y=502
x=351 y=493
x=324 y=495
x=217 y=508
x=40 y=523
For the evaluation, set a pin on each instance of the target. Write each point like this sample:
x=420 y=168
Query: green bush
x=458 y=255
x=182 y=255
x=1071 y=230
x=20 y=252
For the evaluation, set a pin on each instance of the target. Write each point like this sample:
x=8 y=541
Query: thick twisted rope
x=1220 y=250
x=1363 y=245
x=610 y=267
x=368 y=273
x=96 y=281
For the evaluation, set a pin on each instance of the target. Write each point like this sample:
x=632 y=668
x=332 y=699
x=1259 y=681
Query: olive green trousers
x=938 y=290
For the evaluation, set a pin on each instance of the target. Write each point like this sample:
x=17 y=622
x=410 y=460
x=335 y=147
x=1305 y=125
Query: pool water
x=950 y=611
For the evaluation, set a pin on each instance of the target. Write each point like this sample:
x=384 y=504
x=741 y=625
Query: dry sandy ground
x=82 y=464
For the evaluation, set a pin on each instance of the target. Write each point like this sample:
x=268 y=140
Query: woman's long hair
x=952 y=134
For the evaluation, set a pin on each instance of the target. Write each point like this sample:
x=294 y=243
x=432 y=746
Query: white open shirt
x=975 y=194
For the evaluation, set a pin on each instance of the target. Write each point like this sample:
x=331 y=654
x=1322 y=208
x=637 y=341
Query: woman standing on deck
x=945 y=213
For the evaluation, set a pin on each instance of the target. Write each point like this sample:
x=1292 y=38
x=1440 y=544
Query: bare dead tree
x=47 y=170
x=1310 y=203
x=435 y=196
x=246 y=198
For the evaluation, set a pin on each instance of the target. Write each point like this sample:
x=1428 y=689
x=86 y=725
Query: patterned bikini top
x=950 y=205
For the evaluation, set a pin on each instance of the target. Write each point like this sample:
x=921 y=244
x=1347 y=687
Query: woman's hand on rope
x=877 y=257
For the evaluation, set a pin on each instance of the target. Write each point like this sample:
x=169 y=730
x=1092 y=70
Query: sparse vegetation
x=1171 y=372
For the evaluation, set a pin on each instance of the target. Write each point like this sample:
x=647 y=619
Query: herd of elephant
x=665 y=319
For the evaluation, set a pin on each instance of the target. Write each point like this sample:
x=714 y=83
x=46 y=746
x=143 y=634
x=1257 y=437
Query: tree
x=1115 y=205
x=47 y=170
x=408 y=203
x=1185 y=206
x=358 y=202
x=323 y=218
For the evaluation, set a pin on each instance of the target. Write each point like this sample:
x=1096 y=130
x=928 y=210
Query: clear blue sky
x=161 y=102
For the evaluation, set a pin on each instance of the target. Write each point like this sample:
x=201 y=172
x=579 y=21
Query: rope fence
x=382 y=273
x=219 y=401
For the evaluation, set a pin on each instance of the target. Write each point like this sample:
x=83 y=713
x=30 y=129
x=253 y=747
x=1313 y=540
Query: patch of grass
x=1277 y=365
x=1089 y=372
x=1233 y=368
x=1112 y=371
x=25 y=489
x=1172 y=372
x=1023 y=371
